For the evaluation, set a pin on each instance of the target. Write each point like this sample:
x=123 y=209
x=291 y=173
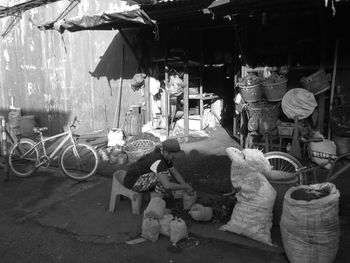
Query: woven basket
x=316 y=83
x=251 y=93
x=136 y=149
x=275 y=91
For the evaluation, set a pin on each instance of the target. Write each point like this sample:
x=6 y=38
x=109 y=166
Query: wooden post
x=117 y=109
x=4 y=152
x=332 y=87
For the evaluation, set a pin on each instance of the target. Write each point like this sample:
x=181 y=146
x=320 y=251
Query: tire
x=285 y=162
x=23 y=166
x=81 y=167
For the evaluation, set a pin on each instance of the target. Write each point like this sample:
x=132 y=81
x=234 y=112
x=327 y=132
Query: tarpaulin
x=104 y=21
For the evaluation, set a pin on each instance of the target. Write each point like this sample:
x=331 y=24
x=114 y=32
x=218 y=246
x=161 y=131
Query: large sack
x=310 y=229
x=252 y=214
x=155 y=208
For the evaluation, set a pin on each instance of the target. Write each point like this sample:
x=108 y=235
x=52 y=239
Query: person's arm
x=164 y=179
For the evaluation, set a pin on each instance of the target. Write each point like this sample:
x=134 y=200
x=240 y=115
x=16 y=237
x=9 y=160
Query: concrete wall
x=48 y=74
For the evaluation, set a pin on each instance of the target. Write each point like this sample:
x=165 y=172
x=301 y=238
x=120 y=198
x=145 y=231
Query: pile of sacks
x=156 y=221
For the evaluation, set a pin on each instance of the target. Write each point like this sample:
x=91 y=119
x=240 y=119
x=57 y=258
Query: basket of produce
x=275 y=87
x=250 y=88
x=138 y=148
x=316 y=83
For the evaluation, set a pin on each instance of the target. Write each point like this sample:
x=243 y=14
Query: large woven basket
x=136 y=149
x=316 y=83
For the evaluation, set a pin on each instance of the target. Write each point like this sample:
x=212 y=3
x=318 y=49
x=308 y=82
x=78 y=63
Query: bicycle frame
x=67 y=136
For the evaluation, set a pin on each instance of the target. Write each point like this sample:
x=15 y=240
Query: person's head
x=169 y=147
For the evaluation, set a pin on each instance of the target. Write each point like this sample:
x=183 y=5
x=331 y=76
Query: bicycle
x=77 y=160
x=285 y=162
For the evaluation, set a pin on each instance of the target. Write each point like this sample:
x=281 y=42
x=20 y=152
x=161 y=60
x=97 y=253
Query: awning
x=104 y=21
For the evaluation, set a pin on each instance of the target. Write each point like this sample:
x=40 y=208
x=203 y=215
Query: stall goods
x=178 y=230
x=155 y=208
x=298 y=103
x=150 y=229
x=250 y=88
x=310 y=224
x=274 y=87
x=316 y=82
x=252 y=214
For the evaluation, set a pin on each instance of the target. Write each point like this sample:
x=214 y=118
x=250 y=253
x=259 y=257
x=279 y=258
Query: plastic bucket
x=251 y=93
x=26 y=125
x=281 y=183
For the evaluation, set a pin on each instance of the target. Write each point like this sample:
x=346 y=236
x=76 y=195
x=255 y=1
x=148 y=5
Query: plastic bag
x=326 y=146
x=115 y=137
x=252 y=214
x=201 y=213
x=155 y=208
x=298 y=102
x=188 y=199
x=150 y=229
x=165 y=224
x=310 y=229
x=178 y=230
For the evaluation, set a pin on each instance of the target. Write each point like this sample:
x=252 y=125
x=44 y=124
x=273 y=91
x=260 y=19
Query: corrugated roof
x=19 y=8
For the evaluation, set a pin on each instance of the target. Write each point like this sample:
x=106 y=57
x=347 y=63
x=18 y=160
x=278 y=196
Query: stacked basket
x=136 y=149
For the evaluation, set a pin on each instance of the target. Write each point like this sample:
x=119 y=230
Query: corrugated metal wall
x=48 y=74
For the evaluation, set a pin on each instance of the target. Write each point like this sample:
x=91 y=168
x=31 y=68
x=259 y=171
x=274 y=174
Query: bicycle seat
x=39 y=130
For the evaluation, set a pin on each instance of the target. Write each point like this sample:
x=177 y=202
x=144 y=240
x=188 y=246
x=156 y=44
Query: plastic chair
x=118 y=189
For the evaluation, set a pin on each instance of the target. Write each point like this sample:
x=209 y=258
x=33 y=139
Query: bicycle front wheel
x=23 y=158
x=79 y=161
x=281 y=161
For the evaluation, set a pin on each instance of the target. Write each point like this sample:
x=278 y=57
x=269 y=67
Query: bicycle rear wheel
x=79 y=161
x=23 y=158
x=281 y=161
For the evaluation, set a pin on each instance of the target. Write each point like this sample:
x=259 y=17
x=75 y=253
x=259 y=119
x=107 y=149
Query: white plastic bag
x=201 y=213
x=178 y=230
x=165 y=224
x=150 y=229
x=252 y=214
x=155 y=208
x=310 y=229
x=326 y=146
x=115 y=137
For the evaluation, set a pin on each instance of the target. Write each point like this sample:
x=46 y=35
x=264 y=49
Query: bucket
x=342 y=143
x=281 y=183
x=26 y=125
x=251 y=93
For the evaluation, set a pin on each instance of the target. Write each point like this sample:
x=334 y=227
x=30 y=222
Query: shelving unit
x=184 y=65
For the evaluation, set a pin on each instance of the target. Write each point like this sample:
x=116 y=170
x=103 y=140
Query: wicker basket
x=264 y=112
x=316 y=83
x=136 y=149
x=275 y=91
x=251 y=93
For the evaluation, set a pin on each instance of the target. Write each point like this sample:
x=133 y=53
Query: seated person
x=153 y=172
